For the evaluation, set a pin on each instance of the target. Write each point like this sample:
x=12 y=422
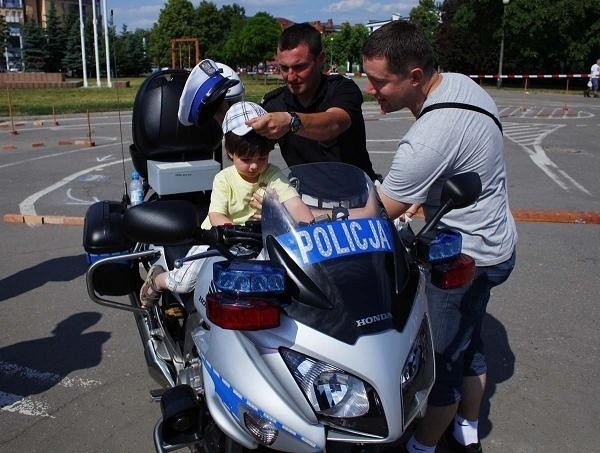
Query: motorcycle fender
x=387 y=352
x=221 y=416
x=237 y=380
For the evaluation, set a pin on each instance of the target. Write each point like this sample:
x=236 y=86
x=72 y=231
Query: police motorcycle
x=299 y=337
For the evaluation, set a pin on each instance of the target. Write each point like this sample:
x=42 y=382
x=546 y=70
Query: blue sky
x=143 y=13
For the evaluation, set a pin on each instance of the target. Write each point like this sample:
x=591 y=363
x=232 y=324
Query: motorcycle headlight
x=338 y=397
x=417 y=373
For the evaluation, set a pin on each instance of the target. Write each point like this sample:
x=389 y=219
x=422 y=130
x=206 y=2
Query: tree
x=469 y=35
x=230 y=21
x=231 y=52
x=4 y=36
x=427 y=16
x=3 y=32
x=549 y=37
x=207 y=28
x=55 y=41
x=90 y=52
x=212 y=26
x=34 y=53
x=71 y=60
x=258 y=38
x=333 y=45
x=176 y=20
x=539 y=37
x=358 y=37
x=130 y=54
x=342 y=43
x=114 y=46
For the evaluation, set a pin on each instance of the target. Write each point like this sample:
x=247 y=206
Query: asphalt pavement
x=72 y=373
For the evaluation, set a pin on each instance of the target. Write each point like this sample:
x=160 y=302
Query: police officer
x=315 y=117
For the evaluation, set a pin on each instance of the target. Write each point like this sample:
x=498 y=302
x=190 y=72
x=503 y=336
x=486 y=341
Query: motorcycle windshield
x=343 y=272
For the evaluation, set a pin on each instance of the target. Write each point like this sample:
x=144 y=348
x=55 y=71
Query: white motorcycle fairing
x=356 y=331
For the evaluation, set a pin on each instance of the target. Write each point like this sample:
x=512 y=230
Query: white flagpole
x=81 y=28
x=106 y=43
x=95 y=24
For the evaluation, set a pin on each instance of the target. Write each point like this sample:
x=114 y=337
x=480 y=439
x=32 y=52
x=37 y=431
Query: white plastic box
x=180 y=177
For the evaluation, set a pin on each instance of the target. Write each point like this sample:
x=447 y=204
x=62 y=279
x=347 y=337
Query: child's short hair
x=247 y=145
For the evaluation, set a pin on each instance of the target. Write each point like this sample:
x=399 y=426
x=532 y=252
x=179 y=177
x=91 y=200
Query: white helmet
x=236 y=92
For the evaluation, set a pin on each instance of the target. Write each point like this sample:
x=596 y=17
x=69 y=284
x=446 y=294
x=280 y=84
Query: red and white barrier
x=529 y=76
x=526 y=78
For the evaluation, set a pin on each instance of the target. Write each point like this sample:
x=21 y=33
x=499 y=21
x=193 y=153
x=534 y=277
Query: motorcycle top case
x=103 y=237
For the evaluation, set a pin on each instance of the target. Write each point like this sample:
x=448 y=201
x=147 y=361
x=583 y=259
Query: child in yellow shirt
x=232 y=193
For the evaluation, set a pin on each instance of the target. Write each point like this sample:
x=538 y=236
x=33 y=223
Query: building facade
x=373 y=25
x=13 y=12
x=17 y=12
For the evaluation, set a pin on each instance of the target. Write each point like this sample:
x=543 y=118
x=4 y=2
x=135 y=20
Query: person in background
x=232 y=191
x=315 y=117
x=595 y=76
x=446 y=140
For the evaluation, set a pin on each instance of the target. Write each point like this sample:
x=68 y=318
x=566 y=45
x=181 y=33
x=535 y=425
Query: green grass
x=62 y=101
x=42 y=101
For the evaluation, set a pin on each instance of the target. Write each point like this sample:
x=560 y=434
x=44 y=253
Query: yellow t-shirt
x=231 y=194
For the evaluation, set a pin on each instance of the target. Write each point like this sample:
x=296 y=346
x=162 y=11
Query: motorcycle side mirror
x=458 y=192
x=461 y=190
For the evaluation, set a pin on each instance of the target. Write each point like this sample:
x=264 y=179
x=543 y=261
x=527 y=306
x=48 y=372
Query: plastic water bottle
x=136 y=189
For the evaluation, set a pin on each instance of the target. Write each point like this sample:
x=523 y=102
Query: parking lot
x=72 y=374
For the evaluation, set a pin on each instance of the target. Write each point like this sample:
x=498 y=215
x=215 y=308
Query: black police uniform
x=349 y=147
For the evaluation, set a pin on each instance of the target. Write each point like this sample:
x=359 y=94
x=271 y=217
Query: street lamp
x=499 y=83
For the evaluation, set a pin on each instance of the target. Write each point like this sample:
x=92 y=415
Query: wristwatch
x=295 y=123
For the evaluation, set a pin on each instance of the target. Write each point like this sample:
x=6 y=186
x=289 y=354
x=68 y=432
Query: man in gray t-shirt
x=446 y=141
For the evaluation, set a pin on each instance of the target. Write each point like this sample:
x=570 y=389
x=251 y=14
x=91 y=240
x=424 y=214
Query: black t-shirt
x=349 y=147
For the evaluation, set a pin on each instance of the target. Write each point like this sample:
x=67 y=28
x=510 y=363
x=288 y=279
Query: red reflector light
x=229 y=312
x=454 y=273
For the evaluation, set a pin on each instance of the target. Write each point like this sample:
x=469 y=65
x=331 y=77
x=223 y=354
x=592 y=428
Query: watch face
x=295 y=124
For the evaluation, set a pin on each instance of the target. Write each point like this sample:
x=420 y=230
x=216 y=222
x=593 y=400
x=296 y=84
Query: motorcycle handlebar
x=223 y=234
x=221 y=238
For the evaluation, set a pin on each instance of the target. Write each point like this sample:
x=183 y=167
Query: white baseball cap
x=205 y=88
x=238 y=114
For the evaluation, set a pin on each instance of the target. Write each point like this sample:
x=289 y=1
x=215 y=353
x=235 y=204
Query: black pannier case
x=103 y=236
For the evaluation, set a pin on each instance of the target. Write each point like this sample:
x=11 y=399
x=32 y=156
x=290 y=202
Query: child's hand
x=257 y=201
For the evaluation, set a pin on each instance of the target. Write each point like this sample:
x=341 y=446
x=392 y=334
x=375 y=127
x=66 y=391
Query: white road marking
x=551 y=113
x=10 y=402
x=27 y=206
x=23 y=372
x=103 y=158
x=529 y=137
x=531 y=142
x=28 y=405
x=79 y=201
x=49 y=156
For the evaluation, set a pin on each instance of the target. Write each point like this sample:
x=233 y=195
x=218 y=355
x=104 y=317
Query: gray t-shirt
x=445 y=142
